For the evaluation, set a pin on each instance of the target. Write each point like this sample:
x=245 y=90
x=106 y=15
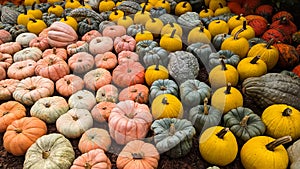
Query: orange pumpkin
x=9 y=112
x=81 y=62
x=7 y=87
x=107 y=60
x=69 y=84
x=22 y=133
x=124 y=56
x=94 y=138
x=107 y=93
x=58 y=52
x=102 y=110
x=5 y=60
x=52 y=67
x=128 y=73
x=91 y=35
x=138 y=93
x=129 y=121
x=288 y=56
x=39 y=42
x=296 y=70
x=97 y=78
x=10 y=47
x=22 y=69
x=5 y=36
x=92 y=159
x=2 y=73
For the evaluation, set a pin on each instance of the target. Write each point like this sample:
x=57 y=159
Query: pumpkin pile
x=135 y=69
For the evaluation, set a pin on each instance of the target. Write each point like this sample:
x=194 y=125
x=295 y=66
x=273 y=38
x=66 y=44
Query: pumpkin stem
x=173 y=33
x=171 y=24
x=131 y=115
x=75 y=118
x=287 y=112
x=116 y=12
x=5 y=113
x=33 y=5
x=18 y=130
x=33 y=20
x=223 y=64
x=270 y=43
x=236 y=35
x=133 y=90
x=222 y=133
x=283 y=140
x=157 y=65
x=221 y=5
x=244 y=121
x=142 y=30
x=124 y=16
x=244 y=25
x=137 y=156
x=45 y=154
x=152 y=19
x=143 y=9
x=87 y=165
x=255 y=59
x=172 y=129
x=68 y=82
x=163 y=88
x=165 y=101
x=205 y=106
x=205 y=9
x=25 y=9
x=239 y=16
x=47 y=105
x=201 y=29
x=283 y=20
x=228 y=89
x=184 y=4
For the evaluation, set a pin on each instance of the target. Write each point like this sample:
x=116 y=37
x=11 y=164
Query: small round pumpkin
x=217 y=27
x=166 y=106
x=102 y=110
x=69 y=84
x=33 y=53
x=59 y=52
x=91 y=35
x=97 y=78
x=124 y=42
x=228 y=57
x=94 y=138
x=251 y=67
x=39 y=42
x=114 y=31
x=92 y=159
x=155 y=72
x=7 y=87
x=81 y=62
x=124 y=56
x=100 y=45
x=163 y=86
x=82 y=99
x=138 y=93
x=107 y=60
x=22 y=69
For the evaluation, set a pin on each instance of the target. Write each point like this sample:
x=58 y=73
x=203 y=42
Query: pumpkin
x=36 y=25
x=49 y=109
x=287 y=116
x=22 y=69
x=31 y=89
x=284 y=25
x=183 y=66
x=52 y=67
x=163 y=86
x=92 y=159
x=125 y=56
x=102 y=110
x=254 y=41
x=281 y=14
x=39 y=42
x=244 y=123
x=5 y=36
x=201 y=51
x=74 y=122
x=258 y=23
x=107 y=93
x=100 y=45
x=278 y=89
x=156 y=12
x=22 y=133
x=133 y=29
x=164 y=4
x=227 y=98
x=277 y=35
x=183 y=7
x=94 y=138
x=293 y=155
x=156 y=55
x=228 y=57
x=87 y=25
x=124 y=42
x=171 y=38
x=105 y=24
x=248 y=32
x=141 y=17
x=154 y=25
x=204 y=116
x=94 y=79
x=25 y=38
x=7 y=87
x=217 y=27
x=138 y=93
x=5 y=60
x=138 y=154
x=251 y=67
x=33 y=53
x=61 y=35
x=129 y=121
x=199 y=34
x=143 y=35
x=215 y=140
x=17 y=30
x=296 y=70
x=173 y=136
x=88 y=36
x=23 y=18
x=9 y=112
x=82 y=99
x=50 y=150
x=166 y=106
x=129 y=73
x=265 y=10
x=130 y=7
x=264 y=151
x=107 y=60
x=235 y=21
x=57 y=9
x=206 y=12
x=189 y=20
x=79 y=46
x=288 y=56
x=125 y=21
x=59 y=52
x=144 y=46
x=10 y=47
x=115 y=15
x=81 y=62
x=114 y=31
x=69 y=84
x=193 y=92
x=155 y=72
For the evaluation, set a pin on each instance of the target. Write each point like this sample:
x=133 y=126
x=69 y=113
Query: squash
x=49 y=109
x=10 y=47
x=143 y=35
x=124 y=42
x=81 y=62
x=94 y=138
x=107 y=93
x=125 y=56
x=215 y=140
x=92 y=159
x=129 y=121
x=58 y=52
x=217 y=27
x=25 y=38
x=74 y=122
x=88 y=36
x=281 y=120
x=107 y=60
x=138 y=154
x=100 y=45
x=7 y=87
x=22 y=69
x=22 y=133
x=125 y=21
x=138 y=93
x=87 y=25
x=171 y=38
x=189 y=20
x=94 y=79
x=69 y=84
x=202 y=52
x=114 y=31
x=130 y=7
x=51 y=150
x=248 y=32
x=199 y=34
x=134 y=29
x=33 y=53
x=293 y=153
x=36 y=25
x=163 y=86
x=154 y=25
x=102 y=110
x=166 y=106
x=173 y=136
x=288 y=56
x=39 y=42
x=182 y=7
x=244 y=123
x=258 y=23
x=144 y=46
x=5 y=60
x=204 y=116
x=277 y=89
x=79 y=46
x=141 y=17
x=235 y=21
x=251 y=67
x=228 y=57
x=155 y=72
x=156 y=55
x=82 y=99
x=265 y=152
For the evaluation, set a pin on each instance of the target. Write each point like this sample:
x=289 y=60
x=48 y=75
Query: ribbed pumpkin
x=166 y=106
x=7 y=87
x=81 y=62
x=102 y=110
x=94 y=138
x=251 y=67
x=288 y=56
x=138 y=93
x=92 y=159
x=107 y=60
x=97 y=78
x=82 y=99
x=248 y=32
x=22 y=69
x=69 y=84
x=163 y=86
x=107 y=93
x=155 y=72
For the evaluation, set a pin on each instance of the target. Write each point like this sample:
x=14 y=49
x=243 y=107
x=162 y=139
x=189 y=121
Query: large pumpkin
x=95 y=159
x=128 y=121
x=22 y=133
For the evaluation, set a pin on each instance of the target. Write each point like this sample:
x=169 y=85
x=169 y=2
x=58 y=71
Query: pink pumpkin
x=59 y=52
x=97 y=78
x=5 y=60
x=90 y=35
x=100 y=45
x=61 y=34
x=107 y=60
x=114 y=31
x=124 y=43
x=124 y=56
x=39 y=42
x=5 y=36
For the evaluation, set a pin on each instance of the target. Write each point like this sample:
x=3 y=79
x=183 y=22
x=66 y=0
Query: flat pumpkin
x=94 y=79
x=94 y=138
x=7 y=87
x=22 y=69
x=102 y=110
x=92 y=159
x=82 y=99
x=163 y=86
x=138 y=93
x=69 y=84
x=81 y=62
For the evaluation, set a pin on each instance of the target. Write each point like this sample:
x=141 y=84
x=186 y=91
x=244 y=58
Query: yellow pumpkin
x=215 y=4
x=182 y=7
x=115 y=15
x=72 y=4
x=281 y=120
x=143 y=35
x=166 y=106
x=263 y=152
x=154 y=25
x=125 y=21
x=155 y=72
x=238 y=45
x=217 y=27
x=248 y=32
x=227 y=98
x=153 y=2
x=235 y=21
x=106 y=5
x=30 y=2
x=267 y=52
x=223 y=74
x=141 y=17
x=53 y=1
x=36 y=26
x=164 y=4
x=199 y=34
x=251 y=67
x=37 y=13
x=168 y=28
x=218 y=146
x=206 y=13
x=147 y=5
x=173 y=39
x=56 y=9
x=222 y=10
x=23 y=18
x=70 y=21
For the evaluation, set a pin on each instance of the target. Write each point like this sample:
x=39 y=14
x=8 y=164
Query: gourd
x=244 y=123
x=189 y=20
x=163 y=86
x=251 y=67
x=144 y=46
x=58 y=52
x=114 y=31
x=204 y=116
x=248 y=32
x=173 y=136
x=88 y=36
x=215 y=140
x=124 y=56
x=141 y=17
x=265 y=152
x=10 y=47
x=154 y=25
x=7 y=87
x=102 y=110
x=258 y=23
x=25 y=38
x=199 y=34
x=36 y=26
x=143 y=35
x=226 y=55
x=235 y=21
x=39 y=42
x=107 y=60
x=155 y=72
x=100 y=45
x=138 y=93
x=129 y=7
x=288 y=56
x=51 y=150
x=108 y=92
x=124 y=42
x=81 y=62
x=82 y=99
x=277 y=89
x=22 y=133
x=33 y=53
x=94 y=138
x=79 y=46
x=138 y=154
x=166 y=106
x=201 y=51
x=92 y=159
x=281 y=120
x=182 y=7
x=9 y=112
x=94 y=79
x=293 y=153
x=49 y=109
